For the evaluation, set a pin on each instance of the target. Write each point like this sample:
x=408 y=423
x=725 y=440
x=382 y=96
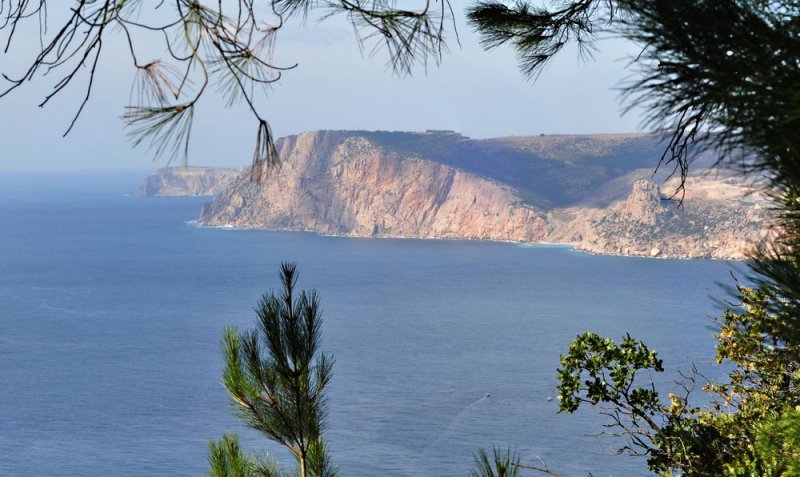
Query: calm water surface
x=112 y=308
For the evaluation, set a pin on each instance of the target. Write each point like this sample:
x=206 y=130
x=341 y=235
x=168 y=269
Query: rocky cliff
x=582 y=190
x=334 y=183
x=720 y=219
x=187 y=181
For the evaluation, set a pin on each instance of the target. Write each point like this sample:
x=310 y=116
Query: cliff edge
x=719 y=218
x=339 y=184
x=594 y=192
x=174 y=181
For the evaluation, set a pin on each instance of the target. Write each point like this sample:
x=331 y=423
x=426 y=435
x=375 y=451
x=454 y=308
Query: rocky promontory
x=596 y=192
x=174 y=181
x=338 y=184
x=725 y=223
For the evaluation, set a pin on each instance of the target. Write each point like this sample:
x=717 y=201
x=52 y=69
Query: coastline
x=543 y=244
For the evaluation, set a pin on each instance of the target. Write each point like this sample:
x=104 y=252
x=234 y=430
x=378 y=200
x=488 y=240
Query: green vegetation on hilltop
x=548 y=171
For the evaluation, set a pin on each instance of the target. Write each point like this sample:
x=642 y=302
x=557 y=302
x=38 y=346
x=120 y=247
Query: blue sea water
x=112 y=307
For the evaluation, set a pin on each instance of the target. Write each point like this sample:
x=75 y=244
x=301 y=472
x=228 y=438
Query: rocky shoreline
x=350 y=184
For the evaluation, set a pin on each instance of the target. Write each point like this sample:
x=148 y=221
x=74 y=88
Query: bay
x=112 y=308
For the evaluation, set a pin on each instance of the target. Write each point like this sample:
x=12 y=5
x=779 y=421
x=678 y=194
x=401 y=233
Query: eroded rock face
x=334 y=184
x=364 y=184
x=722 y=225
x=643 y=205
x=175 y=181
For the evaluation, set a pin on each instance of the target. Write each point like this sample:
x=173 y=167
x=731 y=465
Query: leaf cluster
x=598 y=370
x=754 y=339
x=538 y=33
x=227 y=459
x=743 y=429
x=601 y=372
x=775 y=450
x=499 y=464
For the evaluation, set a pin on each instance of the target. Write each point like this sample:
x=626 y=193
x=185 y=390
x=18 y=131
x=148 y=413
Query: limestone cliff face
x=643 y=205
x=720 y=224
x=437 y=185
x=340 y=184
x=174 y=181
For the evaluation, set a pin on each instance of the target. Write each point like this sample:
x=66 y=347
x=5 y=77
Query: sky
x=336 y=86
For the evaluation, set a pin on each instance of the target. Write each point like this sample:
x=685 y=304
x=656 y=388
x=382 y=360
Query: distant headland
x=598 y=193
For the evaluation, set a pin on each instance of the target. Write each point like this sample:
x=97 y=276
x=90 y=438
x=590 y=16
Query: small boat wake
x=461 y=417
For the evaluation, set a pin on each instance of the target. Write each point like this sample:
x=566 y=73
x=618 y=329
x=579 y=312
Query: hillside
x=597 y=192
x=718 y=219
x=342 y=184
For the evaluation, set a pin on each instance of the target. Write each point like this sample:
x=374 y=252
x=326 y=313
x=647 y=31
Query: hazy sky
x=477 y=93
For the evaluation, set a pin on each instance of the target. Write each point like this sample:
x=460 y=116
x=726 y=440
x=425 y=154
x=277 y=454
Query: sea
x=112 y=308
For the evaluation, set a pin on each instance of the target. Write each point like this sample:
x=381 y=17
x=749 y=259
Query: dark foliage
x=720 y=75
x=277 y=376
